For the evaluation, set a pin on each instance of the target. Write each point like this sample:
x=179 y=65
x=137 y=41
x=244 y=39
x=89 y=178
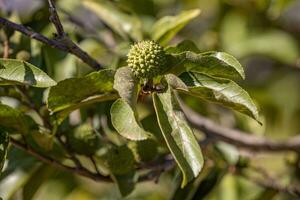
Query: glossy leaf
x=12 y=120
x=124 y=121
x=167 y=27
x=15 y=72
x=126 y=85
x=212 y=63
x=4 y=140
x=122 y=23
x=71 y=92
x=178 y=135
x=219 y=90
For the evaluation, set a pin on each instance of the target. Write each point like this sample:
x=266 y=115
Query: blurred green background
x=263 y=34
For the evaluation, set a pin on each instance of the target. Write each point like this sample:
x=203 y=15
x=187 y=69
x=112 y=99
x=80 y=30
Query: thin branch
x=83 y=171
x=71 y=154
x=94 y=164
x=270 y=182
x=59 y=165
x=63 y=44
x=239 y=138
x=5 y=45
x=54 y=18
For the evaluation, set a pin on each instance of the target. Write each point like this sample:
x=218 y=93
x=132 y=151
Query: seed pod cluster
x=147 y=59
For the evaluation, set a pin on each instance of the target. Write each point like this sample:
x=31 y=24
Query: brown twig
x=239 y=138
x=270 y=182
x=54 y=18
x=63 y=44
x=83 y=171
x=94 y=164
x=59 y=165
x=5 y=45
x=70 y=152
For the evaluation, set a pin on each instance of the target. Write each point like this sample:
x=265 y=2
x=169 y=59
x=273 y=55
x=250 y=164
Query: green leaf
x=43 y=139
x=71 y=92
x=217 y=64
x=21 y=72
x=122 y=23
x=178 y=135
x=40 y=176
x=124 y=121
x=219 y=90
x=126 y=85
x=4 y=140
x=126 y=183
x=12 y=120
x=185 y=45
x=250 y=40
x=167 y=27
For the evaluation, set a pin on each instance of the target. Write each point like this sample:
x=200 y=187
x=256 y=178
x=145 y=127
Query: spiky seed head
x=147 y=59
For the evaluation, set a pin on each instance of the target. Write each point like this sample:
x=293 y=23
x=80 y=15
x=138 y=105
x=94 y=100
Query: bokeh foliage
x=262 y=34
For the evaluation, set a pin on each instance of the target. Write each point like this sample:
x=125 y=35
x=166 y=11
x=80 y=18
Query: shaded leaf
x=167 y=27
x=43 y=139
x=221 y=91
x=178 y=135
x=126 y=183
x=185 y=45
x=218 y=64
x=122 y=23
x=70 y=92
x=12 y=120
x=62 y=114
x=124 y=121
x=36 y=181
x=205 y=182
x=126 y=85
x=21 y=72
x=4 y=140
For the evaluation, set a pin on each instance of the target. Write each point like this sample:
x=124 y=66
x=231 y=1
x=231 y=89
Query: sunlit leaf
x=122 y=23
x=20 y=72
x=178 y=135
x=73 y=91
x=219 y=90
x=124 y=120
x=126 y=85
x=167 y=27
x=218 y=64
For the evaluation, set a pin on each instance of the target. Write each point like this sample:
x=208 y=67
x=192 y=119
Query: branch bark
x=239 y=138
x=80 y=171
x=63 y=44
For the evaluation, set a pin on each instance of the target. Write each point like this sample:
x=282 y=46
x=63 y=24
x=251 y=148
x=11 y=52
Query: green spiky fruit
x=144 y=151
x=120 y=160
x=84 y=140
x=147 y=59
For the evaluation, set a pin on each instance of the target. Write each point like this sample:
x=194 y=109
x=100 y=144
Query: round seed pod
x=147 y=59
